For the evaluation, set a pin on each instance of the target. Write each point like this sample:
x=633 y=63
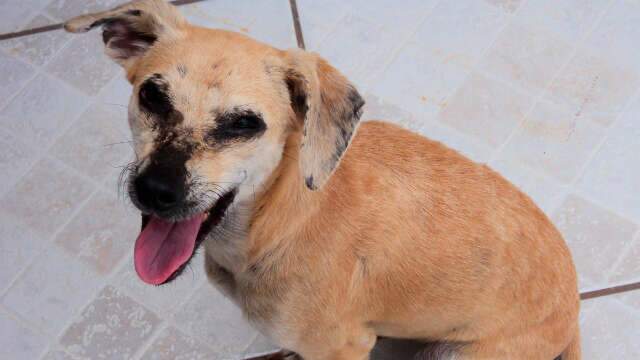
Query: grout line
x=59 y=26
x=610 y=291
x=296 y=23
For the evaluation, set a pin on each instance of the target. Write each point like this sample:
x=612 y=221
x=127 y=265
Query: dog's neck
x=283 y=207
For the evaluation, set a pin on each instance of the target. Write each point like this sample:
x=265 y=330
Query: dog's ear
x=330 y=107
x=129 y=30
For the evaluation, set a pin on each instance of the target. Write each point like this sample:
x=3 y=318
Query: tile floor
x=545 y=91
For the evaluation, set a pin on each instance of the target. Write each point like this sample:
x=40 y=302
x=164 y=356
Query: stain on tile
x=596 y=236
x=594 y=86
x=112 y=326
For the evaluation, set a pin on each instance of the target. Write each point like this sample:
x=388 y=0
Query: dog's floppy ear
x=129 y=30
x=330 y=107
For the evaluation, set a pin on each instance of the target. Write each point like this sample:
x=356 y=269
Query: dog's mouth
x=164 y=248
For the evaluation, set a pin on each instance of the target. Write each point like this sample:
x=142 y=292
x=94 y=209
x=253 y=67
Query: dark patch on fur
x=309 y=182
x=182 y=70
x=559 y=357
x=236 y=125
x=155 y=97
x=296 y=84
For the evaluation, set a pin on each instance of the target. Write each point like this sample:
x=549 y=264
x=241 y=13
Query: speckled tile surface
x=544 y=91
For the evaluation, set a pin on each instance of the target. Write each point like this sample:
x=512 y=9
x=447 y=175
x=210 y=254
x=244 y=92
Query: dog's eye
x=244 y=125
x=153 y=97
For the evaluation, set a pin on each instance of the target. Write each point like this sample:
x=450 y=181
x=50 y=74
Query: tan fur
x=407 y=238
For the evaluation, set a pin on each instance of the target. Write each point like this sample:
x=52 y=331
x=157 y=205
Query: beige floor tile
x=46 y=197
x=164 y=299
x=14 y=17
x=359 y=48
x=57 y=355
x=378 y=109
x=628 y=269
x=554 y=141
x=172 y=344
x=509 y=6
x=545 y=192
x=418 y=82
x=617 y=33
x=83 y=64
x=567 y=19
x=62 y=10
x=610 y=331
x=231 y=333
x=45 y=107
x=18 y=246
x=631 y=298
x=486 y=109
x=318 y=18
x=16 y=73
x=37 y=49
x=94 y=144
x=526 y=57
x=477 y=25
x=596 y=237
x=99 y=235
x=53 y=288
x=260 y=345
x=612 y=177
x=17 y=341
x=15 y=159
x=113 y=326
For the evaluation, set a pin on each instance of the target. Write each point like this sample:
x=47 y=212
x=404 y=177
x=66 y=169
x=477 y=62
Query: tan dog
x=243 y=147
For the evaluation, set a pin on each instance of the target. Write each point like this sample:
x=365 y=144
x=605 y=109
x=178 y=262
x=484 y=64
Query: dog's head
x=210 y=114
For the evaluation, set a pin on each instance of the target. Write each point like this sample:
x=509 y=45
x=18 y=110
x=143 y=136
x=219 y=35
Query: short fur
x=337 y=236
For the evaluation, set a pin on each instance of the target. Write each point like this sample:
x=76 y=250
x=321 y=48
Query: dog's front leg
x=332 y=344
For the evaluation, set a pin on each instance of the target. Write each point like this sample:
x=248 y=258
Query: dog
x=327 y=233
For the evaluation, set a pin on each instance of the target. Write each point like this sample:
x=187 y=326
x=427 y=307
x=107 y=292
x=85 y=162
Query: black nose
x=158 y=192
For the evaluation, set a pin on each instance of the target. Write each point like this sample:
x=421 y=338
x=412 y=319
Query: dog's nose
x=158 y=193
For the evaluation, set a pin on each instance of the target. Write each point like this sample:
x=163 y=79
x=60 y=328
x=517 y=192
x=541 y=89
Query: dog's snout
x=159 y=193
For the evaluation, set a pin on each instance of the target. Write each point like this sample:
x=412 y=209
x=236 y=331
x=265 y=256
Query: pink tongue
x=163 y=247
